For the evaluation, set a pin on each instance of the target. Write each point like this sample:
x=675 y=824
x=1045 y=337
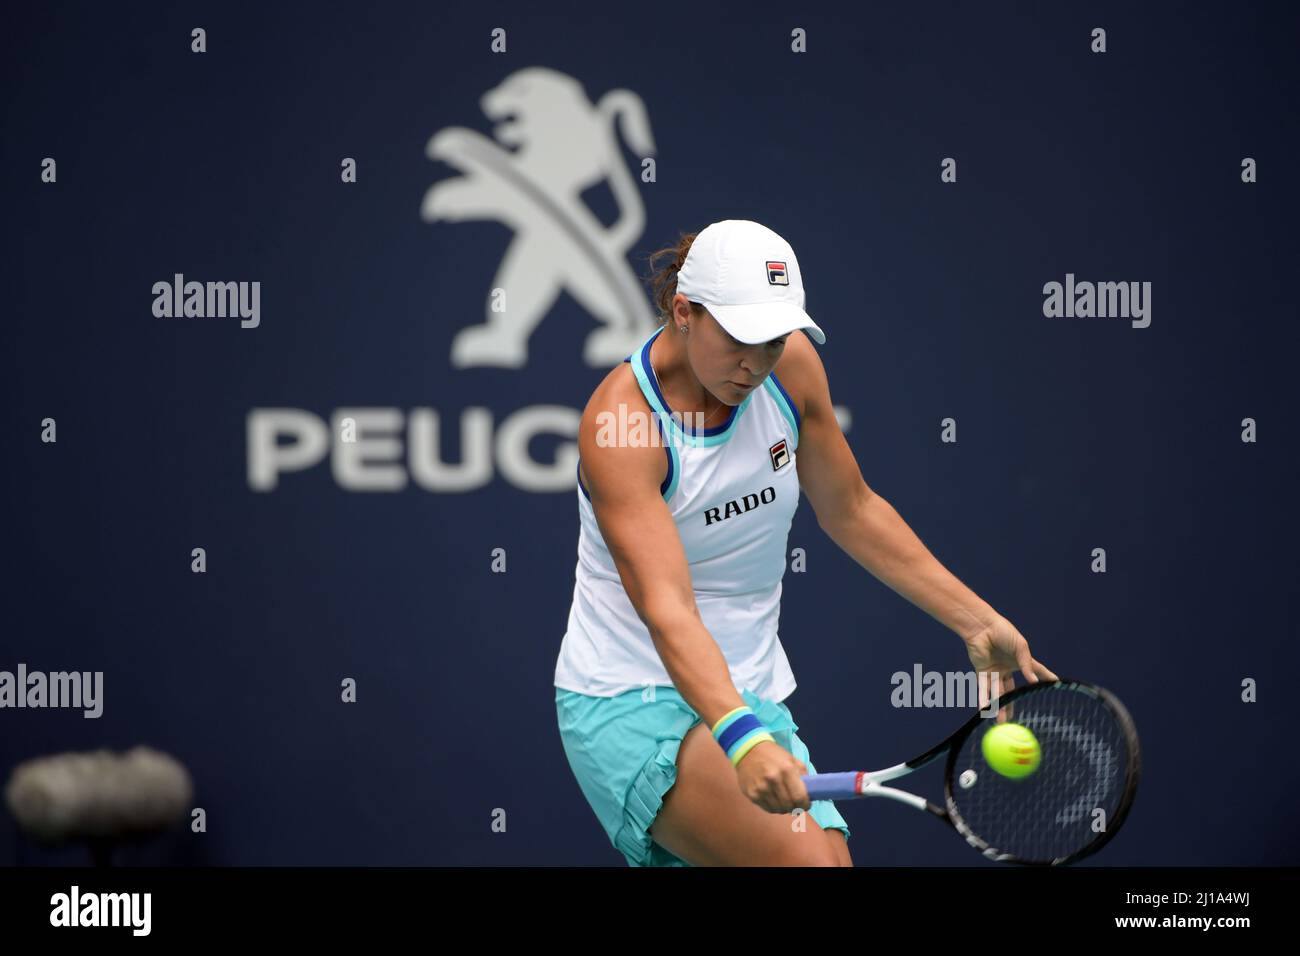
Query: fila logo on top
x=776 y=274
x=780 y=455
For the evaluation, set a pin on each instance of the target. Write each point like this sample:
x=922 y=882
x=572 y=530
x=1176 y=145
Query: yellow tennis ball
x=1012 y=750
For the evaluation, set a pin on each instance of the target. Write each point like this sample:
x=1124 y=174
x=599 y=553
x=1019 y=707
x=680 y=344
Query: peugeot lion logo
x=566 y=144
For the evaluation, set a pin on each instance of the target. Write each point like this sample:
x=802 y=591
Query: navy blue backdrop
x=1073 y=433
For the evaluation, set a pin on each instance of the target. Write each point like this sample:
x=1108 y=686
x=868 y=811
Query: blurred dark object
x=101 y=798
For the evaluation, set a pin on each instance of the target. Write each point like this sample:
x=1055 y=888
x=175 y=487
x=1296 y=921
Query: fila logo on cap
x=722 y=272
x=780 y=455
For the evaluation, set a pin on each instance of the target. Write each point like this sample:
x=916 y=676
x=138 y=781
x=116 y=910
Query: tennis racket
x=1068 y=808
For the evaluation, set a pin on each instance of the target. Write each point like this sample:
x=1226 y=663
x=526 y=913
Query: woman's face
x=724 y=365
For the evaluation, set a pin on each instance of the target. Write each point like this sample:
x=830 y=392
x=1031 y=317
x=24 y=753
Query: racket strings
x=1072 y=797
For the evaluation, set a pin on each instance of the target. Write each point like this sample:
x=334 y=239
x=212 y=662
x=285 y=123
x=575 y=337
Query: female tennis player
x=671 y=678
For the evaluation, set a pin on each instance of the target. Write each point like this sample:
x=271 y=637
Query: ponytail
x=665 y=263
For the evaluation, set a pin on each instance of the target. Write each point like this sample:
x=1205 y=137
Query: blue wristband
x=738 y=732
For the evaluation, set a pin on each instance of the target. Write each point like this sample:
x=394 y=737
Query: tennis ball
x=1012 y=750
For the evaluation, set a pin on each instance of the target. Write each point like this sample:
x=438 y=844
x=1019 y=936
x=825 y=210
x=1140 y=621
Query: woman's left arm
x=871 y=532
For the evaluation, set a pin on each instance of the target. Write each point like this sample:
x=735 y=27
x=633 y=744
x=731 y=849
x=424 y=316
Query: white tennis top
x=732 y=490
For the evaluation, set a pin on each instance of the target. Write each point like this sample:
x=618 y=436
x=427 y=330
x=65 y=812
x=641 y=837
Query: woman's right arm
x=623 y=483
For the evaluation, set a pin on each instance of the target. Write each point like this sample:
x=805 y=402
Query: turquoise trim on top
x=674 y=476
x=676 y=434
x=784 y=403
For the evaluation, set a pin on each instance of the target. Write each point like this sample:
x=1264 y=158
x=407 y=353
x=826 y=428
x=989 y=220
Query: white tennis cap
x=748 y=278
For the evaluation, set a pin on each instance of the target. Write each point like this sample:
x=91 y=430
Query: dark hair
x=663 y=277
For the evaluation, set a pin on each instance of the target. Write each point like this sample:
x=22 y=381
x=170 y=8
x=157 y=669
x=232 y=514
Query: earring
x=682 y=327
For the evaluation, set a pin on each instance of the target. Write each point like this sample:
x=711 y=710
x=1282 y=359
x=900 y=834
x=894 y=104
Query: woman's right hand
x=770 y=776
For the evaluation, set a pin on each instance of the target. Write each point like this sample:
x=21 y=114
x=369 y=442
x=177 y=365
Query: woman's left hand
x=999 y=649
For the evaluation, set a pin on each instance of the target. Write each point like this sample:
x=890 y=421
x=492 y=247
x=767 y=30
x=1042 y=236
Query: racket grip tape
x=833 y=786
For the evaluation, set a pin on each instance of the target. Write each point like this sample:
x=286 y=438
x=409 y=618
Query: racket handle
x=833 y=786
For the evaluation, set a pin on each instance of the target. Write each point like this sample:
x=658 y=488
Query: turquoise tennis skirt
x=623 y=750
